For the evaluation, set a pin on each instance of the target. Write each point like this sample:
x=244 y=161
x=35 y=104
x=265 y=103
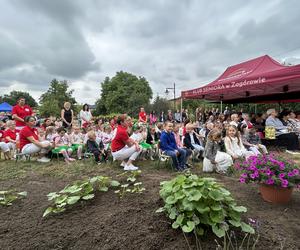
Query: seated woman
x=123 y=148
x=10 y=135
x=283 y=134
x=213 y=157
x=29 y=141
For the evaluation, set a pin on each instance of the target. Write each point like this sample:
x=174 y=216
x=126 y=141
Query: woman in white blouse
x=85 y=116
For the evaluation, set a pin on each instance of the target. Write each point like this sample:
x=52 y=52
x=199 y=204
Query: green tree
x=159 y=104
x=14 y=95
x=124 y=93
x=53 y=100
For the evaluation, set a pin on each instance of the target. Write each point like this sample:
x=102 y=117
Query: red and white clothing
x=106 y=139
x=25 y=133
x=120 y=151
x=143 y=117
x=26 y=146
x=22 y=112
x=3 y=146
x=12 y=134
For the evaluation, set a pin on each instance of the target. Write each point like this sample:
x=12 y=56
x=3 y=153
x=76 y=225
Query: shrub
x=198 y=204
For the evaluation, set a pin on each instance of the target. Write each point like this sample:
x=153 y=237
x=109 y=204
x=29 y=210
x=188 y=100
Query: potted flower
x=276 y=175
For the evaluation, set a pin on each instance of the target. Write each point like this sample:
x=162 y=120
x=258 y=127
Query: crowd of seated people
x=215 y=138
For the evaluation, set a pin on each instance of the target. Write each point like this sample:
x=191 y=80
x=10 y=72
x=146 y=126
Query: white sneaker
x=123 y=164
x=43 y=159
x=130 y=168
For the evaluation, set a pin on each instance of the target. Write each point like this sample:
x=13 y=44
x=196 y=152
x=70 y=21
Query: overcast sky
x=189 y=42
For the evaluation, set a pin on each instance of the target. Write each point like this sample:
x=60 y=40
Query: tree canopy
x=53 y=100
x=14 y=95
x=124 y=93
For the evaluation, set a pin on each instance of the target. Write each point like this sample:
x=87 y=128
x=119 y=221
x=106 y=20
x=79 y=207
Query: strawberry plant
x=79 y=190
x=9 y=196
x=200 y=204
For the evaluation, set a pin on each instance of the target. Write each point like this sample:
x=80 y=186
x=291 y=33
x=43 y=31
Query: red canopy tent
x=257 y=80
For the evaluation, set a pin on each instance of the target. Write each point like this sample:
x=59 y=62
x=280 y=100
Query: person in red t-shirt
x=3 y=147
x=10 y=135
x=142 y=116
x=20 y=111
x=122 y=146
x=29 y=140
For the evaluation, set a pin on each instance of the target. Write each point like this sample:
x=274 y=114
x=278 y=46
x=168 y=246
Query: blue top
x=167 y=141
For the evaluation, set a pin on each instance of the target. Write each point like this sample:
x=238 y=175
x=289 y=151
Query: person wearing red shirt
x=3 y=147
x=10 y=135
x=20 y=111
x=122 y=146
x=143 y=116
x=29 y=140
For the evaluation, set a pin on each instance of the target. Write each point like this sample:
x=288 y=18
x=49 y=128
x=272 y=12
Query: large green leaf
x=180 y=219
x=218 y=231
x=216 y=207
x=247 y=228
x=175 y=225
x=189 y=227
x=179 y=195
x=216 y=195
x=47 y=211
x=202 y=208
x=88 y=197
x=235 y=223
x=187 y=205
x=194 y=195
x=73 y=199
x=171 y=200
x=239 y=209
x=114 y=183
x=216 y=216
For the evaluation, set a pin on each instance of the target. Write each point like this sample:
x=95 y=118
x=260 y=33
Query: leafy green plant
x=126 y=188
x=198 y=204
x=131 y=175
x=7 y=197
x=131 y=186
x=79 y=190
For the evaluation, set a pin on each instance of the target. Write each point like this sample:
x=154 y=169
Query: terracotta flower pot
x=275 y=194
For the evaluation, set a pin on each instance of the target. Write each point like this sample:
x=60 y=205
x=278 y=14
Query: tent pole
x=221 y=107
x=255 y=108
x=181 y=109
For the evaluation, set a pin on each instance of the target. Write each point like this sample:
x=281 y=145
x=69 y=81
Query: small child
x=107 y=136
x=138 y=137
x=213 y=157
x=234 y=145
x=244 y=135
x=41 y=134
x=93 y=147
x=50 y=134
x=63 y=144
x=159 y=128
x=152 y=139
x=77 y=141
x=254 y=139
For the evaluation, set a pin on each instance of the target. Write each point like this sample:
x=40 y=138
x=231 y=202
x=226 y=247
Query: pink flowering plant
x=270 y=170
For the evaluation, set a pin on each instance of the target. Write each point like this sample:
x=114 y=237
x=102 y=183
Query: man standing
x=20 y=111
